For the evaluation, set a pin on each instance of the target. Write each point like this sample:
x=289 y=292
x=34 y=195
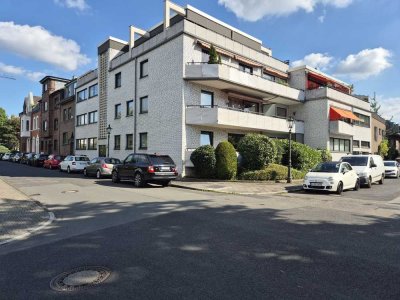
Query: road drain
x=69 y=191
x=79 y=278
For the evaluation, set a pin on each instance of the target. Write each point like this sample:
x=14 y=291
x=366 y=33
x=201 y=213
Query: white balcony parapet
x=223 y=117
x=341 y=128
x=223 y=76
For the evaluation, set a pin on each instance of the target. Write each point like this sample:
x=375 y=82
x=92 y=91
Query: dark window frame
x=142 y=63
x=85 y=92
x=211 y=137
x=141 y=146
x=96 y=90
x=127 y=108
x=117 y=115
x=141 y=111
x=92 y=146
x=119 y=142
x=118 y=80
x=127 y=146
x=209 y=94
x=96 y=119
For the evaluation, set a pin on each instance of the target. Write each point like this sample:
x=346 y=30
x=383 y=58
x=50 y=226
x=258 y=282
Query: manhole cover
x=79 y=278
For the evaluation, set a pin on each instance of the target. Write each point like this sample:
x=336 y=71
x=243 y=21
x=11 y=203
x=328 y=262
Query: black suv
x=38 y=160
x=145 y=168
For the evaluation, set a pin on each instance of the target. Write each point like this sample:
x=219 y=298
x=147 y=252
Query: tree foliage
x=214 y=57
x=203 y=159
x=9 y=130
x=257 y=151
x=383 y=148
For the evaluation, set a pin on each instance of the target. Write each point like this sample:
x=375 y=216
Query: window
x=117 y=142
x=207 y=99
x=117 y=114
x=45 y=87
x=82 y=95
x=380 y=131
x=93 y=90
x=376 y=133
x=81 y=144
x=55 y=145
x=65 y=114
x=356 y=144
x=55 y=124
x=268 y=76
x=144 y=68
x=206 y=138
x=129 y=108
x=93 y=117
x=92 y=144
x=144 y=105
x=70 y=116
x=245 y=68
x=129 y=141
x=46 y=106
x=365 y=144
x=143 y=140
x=339 y=145
x=81 y=120
x=44 y=125
x=281 y=112
x=27 y=125
x=65 y=138
x=118 y=80
x=364 y=120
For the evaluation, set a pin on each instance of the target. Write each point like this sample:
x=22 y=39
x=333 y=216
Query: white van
x=369 y=168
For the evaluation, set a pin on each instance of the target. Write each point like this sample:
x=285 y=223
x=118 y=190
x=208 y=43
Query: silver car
x=100 y=167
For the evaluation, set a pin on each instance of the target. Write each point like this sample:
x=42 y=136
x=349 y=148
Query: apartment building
x=378 y=130
x=335 y=119
x=86 y=111
x=26 y=123
x=67 y=119
x=35 y=131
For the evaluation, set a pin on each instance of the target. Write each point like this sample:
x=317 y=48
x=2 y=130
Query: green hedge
x=4 y=149
x=257 y=151
x=204 y=161
x=303 y=156
x=272 y=172
x=226 y=165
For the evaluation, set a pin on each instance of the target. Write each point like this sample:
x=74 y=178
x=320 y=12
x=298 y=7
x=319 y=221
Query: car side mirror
x=373 y=165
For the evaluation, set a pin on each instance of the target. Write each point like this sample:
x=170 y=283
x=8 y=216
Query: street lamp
x=290 y=123
x=108 y=139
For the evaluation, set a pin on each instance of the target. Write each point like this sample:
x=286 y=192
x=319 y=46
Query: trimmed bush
x=325 y=155
x=203 y=159
x=4 y=149
x=257 y=151
x=272 y=172
x=226 y=165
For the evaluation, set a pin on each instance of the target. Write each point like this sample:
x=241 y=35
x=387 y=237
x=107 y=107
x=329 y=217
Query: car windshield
x=327 y=168
x=161 y=160
x=81 y=158
x=113 y=161
x=389 y=164
x=356 y=161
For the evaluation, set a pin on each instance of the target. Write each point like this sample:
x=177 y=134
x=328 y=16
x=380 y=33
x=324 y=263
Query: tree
x=375 y=107
x=3 y=116
x=214 y=58
x=383 y=148
x=9 y=130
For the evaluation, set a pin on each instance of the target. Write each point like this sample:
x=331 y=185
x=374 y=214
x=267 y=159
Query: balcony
x=224 y=117
x=342 y=128
x=225 y=77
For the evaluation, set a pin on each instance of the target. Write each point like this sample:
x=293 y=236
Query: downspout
x=135 y=101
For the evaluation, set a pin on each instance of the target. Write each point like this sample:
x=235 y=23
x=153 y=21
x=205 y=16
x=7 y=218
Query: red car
x=53 y=162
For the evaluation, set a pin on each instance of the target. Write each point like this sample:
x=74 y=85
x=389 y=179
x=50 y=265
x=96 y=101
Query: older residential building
x=26 y=122
x=67 y=119
x=378 y=130
x=35 y=131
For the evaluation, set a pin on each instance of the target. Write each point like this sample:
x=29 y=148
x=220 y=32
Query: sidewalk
x=239 y=187
x=19 y=215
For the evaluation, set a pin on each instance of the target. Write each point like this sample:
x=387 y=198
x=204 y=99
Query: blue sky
x=355 y=40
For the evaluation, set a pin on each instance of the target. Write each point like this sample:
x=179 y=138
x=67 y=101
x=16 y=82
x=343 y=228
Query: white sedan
x=333 y=177
x=392 y=168
x=74 y=163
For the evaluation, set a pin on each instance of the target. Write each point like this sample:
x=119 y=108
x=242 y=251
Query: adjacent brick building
x=378 y=130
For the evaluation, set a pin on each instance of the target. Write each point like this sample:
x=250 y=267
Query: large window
x=27 y=125
x=44 y=125
x=65 y=138
x=245 y=68
x=82 y=95
x=207 y=99
x=144 y=68
x=206 y=138
x=117 y=142
x=129 y=108
x=93 y=90
x=92 y=144
x=65 y=114
x=118 y=80
x=129 y=142
x=81 y=144
x=339 y=145
x=281 y=112
x=364 y=120
x=93 y=117
x=143 y=140
x=70 y=115
x=46 y=106
x=365 y=144
x=81 y=120
x=356 y=144
x=117 y=112
x=144 y=105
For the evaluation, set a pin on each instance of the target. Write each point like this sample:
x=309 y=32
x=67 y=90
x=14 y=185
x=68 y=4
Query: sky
x=356 y=41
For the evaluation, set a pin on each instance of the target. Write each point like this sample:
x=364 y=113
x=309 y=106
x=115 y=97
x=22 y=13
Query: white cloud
x=254 y=10
x=319 y=61
x=38 y=43
x=18 y=71
x=390 y=107
x=78 y=4
x=364 y=64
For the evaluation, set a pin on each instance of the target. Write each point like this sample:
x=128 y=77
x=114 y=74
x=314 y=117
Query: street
x=171 y=243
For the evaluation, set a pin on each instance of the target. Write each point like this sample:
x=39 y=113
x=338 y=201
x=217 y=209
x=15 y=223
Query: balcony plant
x=214 y=57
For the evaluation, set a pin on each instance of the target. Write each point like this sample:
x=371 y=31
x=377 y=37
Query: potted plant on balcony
x=214 y=57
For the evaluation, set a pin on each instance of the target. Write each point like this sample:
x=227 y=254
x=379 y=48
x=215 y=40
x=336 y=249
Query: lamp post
x=290 y=124
x=108 y=139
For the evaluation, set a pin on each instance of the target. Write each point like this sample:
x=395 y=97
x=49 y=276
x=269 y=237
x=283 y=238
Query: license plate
x=165 y=168
x=316 y=183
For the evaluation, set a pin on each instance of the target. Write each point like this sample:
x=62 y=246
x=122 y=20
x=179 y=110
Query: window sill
x=142 y=148
x=128 y=148
x=117 y=87
x=117 y=148
x=117 y=118
x=145 y=76
x=143 y=113
x=129 y=116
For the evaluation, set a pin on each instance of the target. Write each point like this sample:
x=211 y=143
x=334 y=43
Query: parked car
x=1 y=155
x=333 y=177
x=100 y=166
x=369 y=168
x=39 y=159
x=11 y=157
x=146 y=168
x=17 y=157
x=392 y=168
x=28 y=159
x=53 y=161
x=74 y=163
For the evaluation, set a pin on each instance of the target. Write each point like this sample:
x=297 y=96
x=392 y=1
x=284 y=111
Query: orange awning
x=337 y=114
x=207 y=46
x=275 y=72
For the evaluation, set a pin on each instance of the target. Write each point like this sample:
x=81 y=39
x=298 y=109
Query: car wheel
x=339 y=189
x=85 y=172
x=68 y=170
x=357 y=186
x=369 y=183
x=138 y=180
x=166 y=183
x=382 y=179
x=115 y=177
x=98 y=174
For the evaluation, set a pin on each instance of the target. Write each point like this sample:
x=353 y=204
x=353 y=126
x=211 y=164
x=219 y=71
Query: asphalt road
x=167 y=243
